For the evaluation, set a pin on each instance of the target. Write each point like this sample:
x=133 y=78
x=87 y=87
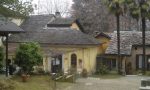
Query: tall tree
x=117 y=8
x=15 y=8
x=140 y=10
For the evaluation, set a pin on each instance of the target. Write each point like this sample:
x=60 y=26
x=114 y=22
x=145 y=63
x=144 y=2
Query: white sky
x=50 y=6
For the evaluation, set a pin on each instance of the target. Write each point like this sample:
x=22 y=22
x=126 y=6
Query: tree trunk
x=6 y=55
x=118 y=42
x=143 y=39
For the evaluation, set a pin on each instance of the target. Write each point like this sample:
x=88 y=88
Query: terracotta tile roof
x=97 y=34
x=128 y=39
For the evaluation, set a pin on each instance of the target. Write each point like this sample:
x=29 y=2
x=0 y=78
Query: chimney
x=57 y=14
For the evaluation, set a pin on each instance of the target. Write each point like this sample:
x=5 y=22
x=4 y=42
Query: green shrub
x=102 y=70
x=148 y=73
x=27 y=56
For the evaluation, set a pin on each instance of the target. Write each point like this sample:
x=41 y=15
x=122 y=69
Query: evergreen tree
x=27 y=56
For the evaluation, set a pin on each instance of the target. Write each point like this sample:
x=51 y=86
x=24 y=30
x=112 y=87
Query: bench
x=145 y=88
x=69 y=76
x=59 y=78
x=145 y=84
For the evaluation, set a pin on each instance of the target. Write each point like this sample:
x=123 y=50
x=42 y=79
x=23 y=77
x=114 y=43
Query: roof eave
x=58 y=43
x=117 y=54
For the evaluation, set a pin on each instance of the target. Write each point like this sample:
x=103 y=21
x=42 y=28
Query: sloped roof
x=61 y=21
x=36 y=22
x=128 y=39
x=34 y=27
x=65 y=22
x=96 y=35
x=55 y=37
x=9 y=27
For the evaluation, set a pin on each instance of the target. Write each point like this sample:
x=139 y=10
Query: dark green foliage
x=28 y=55
x=135 y=8
x=1 y=57
x=15 y=8
x=139 y=9
x=116 y=7
x=102 y=70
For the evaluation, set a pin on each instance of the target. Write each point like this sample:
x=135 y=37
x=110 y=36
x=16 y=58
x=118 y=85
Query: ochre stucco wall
x=75 y=26
x=87 y=54
x=47 y=63
x=88 y=57
x=105 y=42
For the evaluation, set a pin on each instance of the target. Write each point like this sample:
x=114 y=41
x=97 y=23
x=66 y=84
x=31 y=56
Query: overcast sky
x=51 y=6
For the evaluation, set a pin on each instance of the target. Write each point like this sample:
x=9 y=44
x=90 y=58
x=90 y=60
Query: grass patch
x=41 y=82
x=110 y=75
x=6 y=84
x=147 y=73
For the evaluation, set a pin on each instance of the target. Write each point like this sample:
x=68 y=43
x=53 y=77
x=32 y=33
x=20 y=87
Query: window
x=139 y=62
x=73 y=60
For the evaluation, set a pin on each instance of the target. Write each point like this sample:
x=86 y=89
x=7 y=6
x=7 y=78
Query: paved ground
x=123 y=83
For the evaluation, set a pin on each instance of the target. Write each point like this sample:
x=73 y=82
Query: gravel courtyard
x=123 y=83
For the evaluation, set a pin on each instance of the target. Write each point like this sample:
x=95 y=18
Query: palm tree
x=116 y=8
x=140 y=9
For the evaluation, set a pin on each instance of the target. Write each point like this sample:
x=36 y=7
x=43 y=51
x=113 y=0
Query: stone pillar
x=124 y=66
x=116 y=64
x=49 y=64
x=44 y=64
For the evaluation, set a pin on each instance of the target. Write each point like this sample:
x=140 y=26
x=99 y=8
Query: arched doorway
x=74 y=61
x=56 y=64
